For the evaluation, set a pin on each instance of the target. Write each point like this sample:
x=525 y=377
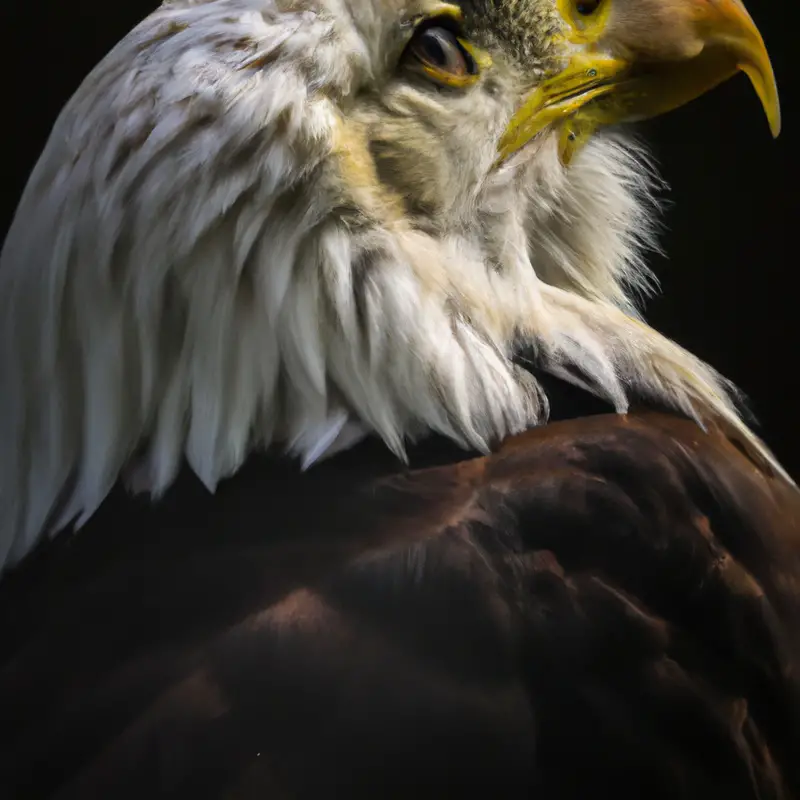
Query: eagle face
x=297 y=223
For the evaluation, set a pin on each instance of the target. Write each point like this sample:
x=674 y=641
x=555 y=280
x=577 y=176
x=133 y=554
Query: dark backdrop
x=732 y=227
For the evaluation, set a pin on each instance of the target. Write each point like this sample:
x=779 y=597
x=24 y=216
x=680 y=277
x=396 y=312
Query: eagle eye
x=438 y=50
x=587 y=7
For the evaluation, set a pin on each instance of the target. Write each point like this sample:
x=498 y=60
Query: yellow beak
x=610 y=78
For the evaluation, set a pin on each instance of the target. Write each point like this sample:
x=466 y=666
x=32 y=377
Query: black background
x=728 y=281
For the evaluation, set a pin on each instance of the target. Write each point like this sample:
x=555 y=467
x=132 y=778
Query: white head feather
x=205 y=262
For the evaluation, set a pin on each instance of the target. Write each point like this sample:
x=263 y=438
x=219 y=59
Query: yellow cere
x=558 y=99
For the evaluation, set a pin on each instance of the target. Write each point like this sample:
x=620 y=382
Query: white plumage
x=207 y=261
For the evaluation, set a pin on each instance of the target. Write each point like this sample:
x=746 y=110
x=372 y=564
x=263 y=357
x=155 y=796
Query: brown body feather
x=608 y=604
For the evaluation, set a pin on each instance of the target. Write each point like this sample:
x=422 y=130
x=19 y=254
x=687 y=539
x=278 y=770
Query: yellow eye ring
x=586 y=18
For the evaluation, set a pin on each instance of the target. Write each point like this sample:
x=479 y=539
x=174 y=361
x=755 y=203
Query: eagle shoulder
x=604 y=601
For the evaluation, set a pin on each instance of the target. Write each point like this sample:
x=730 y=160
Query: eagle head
x=292 y=223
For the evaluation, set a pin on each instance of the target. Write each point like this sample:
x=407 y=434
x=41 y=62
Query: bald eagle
x=337 y=459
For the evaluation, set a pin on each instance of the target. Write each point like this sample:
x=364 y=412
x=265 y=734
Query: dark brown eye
x=440 y=49
x=587 y=7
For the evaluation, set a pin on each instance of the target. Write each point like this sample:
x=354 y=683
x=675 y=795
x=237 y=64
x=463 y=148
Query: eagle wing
x=607 y=601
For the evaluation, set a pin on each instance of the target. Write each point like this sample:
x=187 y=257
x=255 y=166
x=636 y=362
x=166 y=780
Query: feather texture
x=606 y=602
x=215 y=253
